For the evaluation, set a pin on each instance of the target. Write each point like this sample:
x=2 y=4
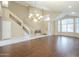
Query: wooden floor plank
x=51 y=46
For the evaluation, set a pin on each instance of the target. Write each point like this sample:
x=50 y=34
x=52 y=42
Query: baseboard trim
x=18 y=40
x=67 y=36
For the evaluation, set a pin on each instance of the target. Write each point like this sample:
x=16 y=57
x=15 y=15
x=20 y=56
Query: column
x=0 y=22
x=6 y=23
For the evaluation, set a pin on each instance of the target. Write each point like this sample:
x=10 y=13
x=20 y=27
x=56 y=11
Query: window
x=77 y=25
x=66 y=25
x=70 y=28
x=63 y=25
x=63 y=28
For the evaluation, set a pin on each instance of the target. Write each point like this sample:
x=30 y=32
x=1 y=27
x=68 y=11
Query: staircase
x=19 y=22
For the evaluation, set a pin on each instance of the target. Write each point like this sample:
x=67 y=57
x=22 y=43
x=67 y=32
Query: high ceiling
x=56 y=6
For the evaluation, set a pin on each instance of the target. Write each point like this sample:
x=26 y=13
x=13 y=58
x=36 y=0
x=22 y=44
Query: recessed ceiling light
x=69 y=6
x=73 y=12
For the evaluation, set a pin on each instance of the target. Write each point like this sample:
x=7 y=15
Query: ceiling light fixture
x=30 y=15
x=69 y=6
x=35 y=20
x=40 y=17
x=73 y=12
x=35 y=16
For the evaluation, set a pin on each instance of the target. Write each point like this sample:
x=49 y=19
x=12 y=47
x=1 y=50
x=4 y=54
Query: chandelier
x=36 y=16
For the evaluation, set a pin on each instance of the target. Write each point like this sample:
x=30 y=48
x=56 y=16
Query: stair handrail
x=18 y=19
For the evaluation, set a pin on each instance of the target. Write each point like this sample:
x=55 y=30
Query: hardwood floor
x=53 y=46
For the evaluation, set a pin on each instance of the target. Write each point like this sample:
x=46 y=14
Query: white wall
x=6 y=29
x=22 y=12
x=16 y=30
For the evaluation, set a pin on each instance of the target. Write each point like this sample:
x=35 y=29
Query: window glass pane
x=77 y=20
x=63 y=28
x=69 y=27
x=64 y=21
x=77 y=27
x=67 y=21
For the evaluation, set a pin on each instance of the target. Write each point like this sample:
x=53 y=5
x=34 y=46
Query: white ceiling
x=56 y=6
